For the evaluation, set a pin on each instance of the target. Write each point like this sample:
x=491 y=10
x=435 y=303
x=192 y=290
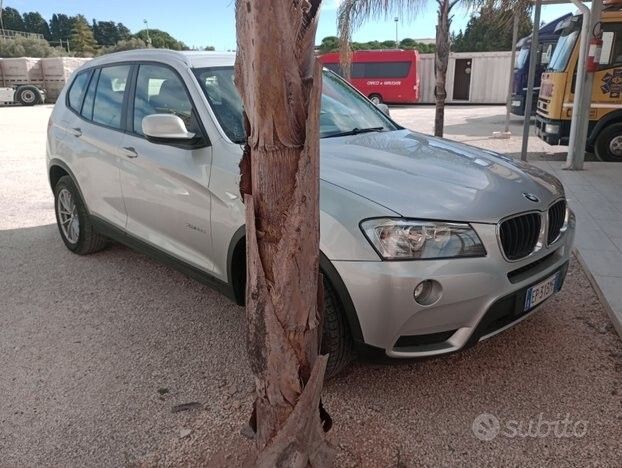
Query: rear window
x=108 y=106
x=77 y=90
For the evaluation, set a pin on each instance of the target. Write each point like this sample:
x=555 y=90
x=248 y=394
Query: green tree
x=329 y=44
x=160 y=39
x=12 y=19
x=108 y=33
x=82 y=40
x=61 y=27
x=408 y=43
x=35 y=23
x=488 y=31
x=125 y=44
x=123 y=32
x=28 y=47
x=411 y=44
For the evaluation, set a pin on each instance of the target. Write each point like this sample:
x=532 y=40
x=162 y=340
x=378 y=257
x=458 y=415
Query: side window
x=224 y=100
x=76 y=92
x=160 y=91
x=89 y=100
x=611 y=55
x=547 y=51
x=380 y=69
x=109 y=95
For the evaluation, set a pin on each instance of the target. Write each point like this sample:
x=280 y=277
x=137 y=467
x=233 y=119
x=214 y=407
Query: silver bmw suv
x=427 y=246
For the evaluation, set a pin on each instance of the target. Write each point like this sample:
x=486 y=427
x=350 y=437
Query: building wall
x=490 y=77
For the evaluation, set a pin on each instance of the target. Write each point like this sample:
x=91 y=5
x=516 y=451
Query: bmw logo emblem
x=531 y=197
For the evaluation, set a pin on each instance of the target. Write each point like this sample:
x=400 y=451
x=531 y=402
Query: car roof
x=192 y=59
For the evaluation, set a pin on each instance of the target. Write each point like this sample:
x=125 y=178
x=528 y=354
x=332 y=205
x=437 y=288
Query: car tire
x=608 y=145
x=72 y=218
x=375 y=98
x=28 y=96
x=336 y=336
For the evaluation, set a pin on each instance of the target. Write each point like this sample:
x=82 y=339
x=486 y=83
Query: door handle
x=130 y=152
x=77 y=132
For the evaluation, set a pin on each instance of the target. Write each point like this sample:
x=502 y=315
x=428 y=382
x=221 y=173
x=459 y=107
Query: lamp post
x=397 y=42
x=1 y=10
x=147 y=30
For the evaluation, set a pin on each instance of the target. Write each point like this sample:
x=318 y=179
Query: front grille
x=519 y=235
x=557 y=216
x=519 y=274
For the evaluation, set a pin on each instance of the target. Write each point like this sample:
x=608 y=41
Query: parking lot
x=113 y=359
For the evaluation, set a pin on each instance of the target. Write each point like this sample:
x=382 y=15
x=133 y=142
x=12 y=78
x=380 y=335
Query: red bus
x=389 y=76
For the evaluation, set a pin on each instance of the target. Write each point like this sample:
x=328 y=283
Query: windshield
x=521 y=59
x=344 y=111
x=564 y=48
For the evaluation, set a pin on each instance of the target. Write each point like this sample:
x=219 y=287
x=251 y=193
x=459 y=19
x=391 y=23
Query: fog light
x=427 y=292
x=550 y=128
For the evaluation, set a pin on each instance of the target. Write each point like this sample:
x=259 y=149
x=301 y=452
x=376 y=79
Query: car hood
x=424 y=177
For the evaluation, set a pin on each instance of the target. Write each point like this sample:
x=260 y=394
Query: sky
x=211 y=22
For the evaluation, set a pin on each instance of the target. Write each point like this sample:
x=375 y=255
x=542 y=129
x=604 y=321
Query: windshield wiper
x=355 y=131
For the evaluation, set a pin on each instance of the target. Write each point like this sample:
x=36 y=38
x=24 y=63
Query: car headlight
x=409 y=239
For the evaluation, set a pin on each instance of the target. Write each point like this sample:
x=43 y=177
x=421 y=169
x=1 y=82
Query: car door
x=94 y=135
x=165 y=186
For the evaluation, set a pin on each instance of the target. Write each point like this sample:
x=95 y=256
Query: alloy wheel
x=68 y=216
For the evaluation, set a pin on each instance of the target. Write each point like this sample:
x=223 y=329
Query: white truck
x=30 y=81
x=26 y=95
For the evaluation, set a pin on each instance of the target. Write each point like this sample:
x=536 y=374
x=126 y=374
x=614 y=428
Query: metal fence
x=10 y=34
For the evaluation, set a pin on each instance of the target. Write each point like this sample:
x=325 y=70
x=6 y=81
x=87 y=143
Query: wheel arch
x=372 y=95
x=236 y=274
x=58 y=169
x=611 y=118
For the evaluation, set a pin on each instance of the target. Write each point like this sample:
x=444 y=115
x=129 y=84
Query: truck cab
x=556 y=99
x=547 y=39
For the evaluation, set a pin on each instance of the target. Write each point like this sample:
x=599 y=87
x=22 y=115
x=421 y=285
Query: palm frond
x=513 y=5
x=353 y=13
x=360 y=11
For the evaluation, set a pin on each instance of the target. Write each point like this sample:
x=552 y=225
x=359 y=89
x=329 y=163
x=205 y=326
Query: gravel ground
x=98 y=353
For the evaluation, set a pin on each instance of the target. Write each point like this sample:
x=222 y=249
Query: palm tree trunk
x=441 y=62
x=280 y=84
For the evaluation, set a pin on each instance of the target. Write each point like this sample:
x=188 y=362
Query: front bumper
x=480 y=296
x=518 y=104
x=553 y=138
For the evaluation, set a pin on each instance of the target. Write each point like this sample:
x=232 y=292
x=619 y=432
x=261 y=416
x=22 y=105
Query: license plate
x=516 y=103
x=541 y=292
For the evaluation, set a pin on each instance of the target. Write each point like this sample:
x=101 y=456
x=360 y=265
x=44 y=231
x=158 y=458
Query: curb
x=615 y=317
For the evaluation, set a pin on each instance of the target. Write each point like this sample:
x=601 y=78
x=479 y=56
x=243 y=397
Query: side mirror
x=384 y=109
x=166 y=128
